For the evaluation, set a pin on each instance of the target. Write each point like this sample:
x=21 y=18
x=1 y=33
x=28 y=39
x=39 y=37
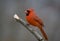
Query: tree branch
x=38 y=37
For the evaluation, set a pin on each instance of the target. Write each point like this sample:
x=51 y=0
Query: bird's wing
x=37 y=19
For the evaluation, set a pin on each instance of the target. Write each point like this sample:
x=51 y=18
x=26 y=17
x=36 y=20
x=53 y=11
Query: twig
x=38 y=37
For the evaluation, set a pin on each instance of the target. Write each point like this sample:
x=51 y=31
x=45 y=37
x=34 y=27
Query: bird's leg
x=28 y=24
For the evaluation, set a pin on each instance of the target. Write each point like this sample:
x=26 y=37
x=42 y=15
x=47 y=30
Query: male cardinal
x=34 y=20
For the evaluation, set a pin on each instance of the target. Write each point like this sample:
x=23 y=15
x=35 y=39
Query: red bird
x=34 y=20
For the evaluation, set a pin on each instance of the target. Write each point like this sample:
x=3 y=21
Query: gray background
x=48 y=10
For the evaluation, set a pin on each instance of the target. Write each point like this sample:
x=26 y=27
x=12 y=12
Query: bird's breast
x=31 y=21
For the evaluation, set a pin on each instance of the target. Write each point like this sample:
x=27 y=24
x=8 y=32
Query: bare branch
x=38 y=37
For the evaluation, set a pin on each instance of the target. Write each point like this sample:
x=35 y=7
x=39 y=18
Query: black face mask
x=28 y=13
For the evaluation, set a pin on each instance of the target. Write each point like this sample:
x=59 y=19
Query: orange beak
x=26 y=12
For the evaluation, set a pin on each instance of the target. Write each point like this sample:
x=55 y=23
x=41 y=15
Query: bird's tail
x=43 y=32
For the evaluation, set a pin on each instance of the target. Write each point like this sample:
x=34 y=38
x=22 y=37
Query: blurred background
x=48 y=10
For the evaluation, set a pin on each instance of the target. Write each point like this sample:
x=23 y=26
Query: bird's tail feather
x=43 y=32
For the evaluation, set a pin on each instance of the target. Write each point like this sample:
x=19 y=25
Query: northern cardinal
x=34 y=20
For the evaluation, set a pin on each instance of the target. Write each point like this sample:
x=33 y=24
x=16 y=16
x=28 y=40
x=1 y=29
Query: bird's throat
x=27 y=14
